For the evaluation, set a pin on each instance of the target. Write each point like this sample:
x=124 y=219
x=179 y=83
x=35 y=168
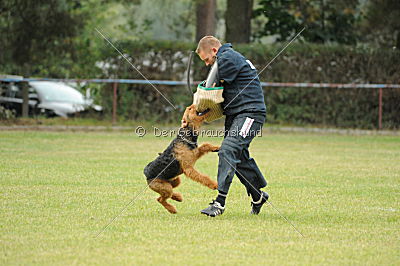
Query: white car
x=48 y=98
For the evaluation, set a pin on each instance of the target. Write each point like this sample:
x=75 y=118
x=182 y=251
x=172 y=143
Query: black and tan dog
x=180 y=156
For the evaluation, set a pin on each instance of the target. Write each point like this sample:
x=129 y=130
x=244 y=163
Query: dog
x=179 y=157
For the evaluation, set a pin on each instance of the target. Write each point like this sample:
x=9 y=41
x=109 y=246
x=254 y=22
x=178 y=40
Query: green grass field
x=59 y=189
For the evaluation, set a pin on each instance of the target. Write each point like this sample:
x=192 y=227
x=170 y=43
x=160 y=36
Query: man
x=245 y=112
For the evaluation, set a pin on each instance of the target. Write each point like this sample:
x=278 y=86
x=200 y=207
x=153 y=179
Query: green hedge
x=356 y=108
x=330 y=64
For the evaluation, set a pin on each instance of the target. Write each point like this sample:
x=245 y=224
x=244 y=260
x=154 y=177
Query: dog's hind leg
x=169 y=207
x=200 y=178
x=164 y=188
x=175 y=181
x=176 y=195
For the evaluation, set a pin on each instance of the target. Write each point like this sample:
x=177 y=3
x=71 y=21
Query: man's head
x=207 y=49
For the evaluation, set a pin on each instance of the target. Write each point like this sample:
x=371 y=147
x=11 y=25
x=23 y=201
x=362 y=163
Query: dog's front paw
x=216 y=148
x=213 y=185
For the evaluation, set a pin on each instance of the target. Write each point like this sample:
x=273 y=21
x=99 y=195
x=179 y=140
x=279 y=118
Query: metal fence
x=115 y=82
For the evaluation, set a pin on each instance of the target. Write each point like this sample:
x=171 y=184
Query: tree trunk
x=238 y=21
x=205 y=18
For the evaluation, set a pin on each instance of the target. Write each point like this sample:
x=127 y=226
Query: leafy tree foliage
x=325 y=20
x=34 y=32
x=382 y=23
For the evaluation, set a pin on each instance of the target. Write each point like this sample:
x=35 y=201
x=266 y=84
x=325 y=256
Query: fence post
x=380 y=108
x=114 y=112
x=25 y=99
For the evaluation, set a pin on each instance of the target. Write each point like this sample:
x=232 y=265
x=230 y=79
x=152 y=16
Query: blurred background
x=345 y=41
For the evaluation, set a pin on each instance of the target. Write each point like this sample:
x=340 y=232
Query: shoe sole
x=210 y=215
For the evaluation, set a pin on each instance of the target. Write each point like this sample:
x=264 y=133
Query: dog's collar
x=188 y=141
x=181 y=135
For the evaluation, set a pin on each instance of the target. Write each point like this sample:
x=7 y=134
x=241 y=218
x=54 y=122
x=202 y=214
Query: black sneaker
x=214 y=209
x=256 y=206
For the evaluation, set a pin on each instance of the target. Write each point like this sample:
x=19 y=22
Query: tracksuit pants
x=234 y=157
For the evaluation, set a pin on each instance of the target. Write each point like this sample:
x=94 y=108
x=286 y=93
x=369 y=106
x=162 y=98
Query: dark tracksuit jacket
x=245 y=112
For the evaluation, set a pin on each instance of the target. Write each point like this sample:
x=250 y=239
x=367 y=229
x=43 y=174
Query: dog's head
x=192 y=118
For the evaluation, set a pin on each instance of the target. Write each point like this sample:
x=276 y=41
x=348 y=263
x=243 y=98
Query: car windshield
x=57 y=92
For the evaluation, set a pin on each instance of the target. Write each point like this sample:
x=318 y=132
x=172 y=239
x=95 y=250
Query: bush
x=6 y=114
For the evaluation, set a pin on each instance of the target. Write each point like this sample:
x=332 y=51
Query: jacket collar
x=223 y=48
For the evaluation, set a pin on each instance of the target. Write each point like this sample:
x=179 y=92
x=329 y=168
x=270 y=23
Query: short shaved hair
x=207 y=41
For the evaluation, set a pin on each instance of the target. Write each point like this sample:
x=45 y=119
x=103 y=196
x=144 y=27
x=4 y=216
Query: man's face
x=208 y=55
